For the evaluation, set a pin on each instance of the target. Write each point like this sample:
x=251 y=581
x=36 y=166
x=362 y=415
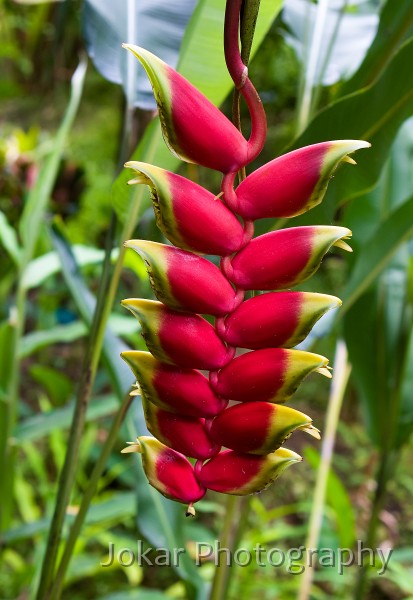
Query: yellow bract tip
x=324 y=371
x=132 y=447
x=349 y=160
x=311 y=430
x=343 y=245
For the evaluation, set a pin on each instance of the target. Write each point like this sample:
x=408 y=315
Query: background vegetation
x=326 y=70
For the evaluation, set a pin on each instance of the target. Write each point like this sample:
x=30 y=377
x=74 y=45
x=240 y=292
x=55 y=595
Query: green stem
x=339 y=383
x=87 y=498
x=229 y=539
x=385 y=472
x=67 y=476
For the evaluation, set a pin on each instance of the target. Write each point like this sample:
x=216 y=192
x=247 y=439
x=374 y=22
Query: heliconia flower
x=270 y=375
x=185 y=281
x=240 y=474
x=281 y=259
x=193 y=128
x=293 y=183
x=182 y=391
x=276 y=319
x=258 y=427
x=179 y=338
x=168 y=471
x=187 y=435
x=181 y=205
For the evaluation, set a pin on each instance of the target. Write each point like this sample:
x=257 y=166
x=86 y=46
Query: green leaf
x=117 y=508
x=65 y=334
x=137 y=594
x=8 y=239
x=373 y=114
x=33 y=212
x=58 y=385
x=396 y=24
x=40 y=425
x=378 y=251
x=406 y=397
x=46 y=265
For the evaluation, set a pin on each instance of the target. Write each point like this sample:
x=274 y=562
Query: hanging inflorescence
x=186 y=411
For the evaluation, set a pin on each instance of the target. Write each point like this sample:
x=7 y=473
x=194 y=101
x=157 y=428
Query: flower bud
x=183 y=339
x=184 y=281
x=281 y=259
x=193 y=128
x=168 y=471
x=292 y=183
x=270 y=375
x=258 y=427
x=240 y=474
x=189 y=215
x=276 y=319
x=183 y=391
x=184 y=434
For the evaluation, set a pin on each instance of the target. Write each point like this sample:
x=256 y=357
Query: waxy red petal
x=240 y=474
x=193 y=128
x=183 y=391
x=181 y=206
x=256 y=427
x=185 y=281
x=183 y=339
x=184 y=434
x=292 y=183
x=270 y=375
x=169 y=471
x=283 y=258
x=276 y=319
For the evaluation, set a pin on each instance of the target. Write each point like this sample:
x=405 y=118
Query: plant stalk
x=68 y=473
x=231 y=533
x=342 y=371
x=388 y=460
x=87 y=498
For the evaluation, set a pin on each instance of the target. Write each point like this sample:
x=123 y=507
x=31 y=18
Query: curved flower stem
x=342 y=371
x=237 y=66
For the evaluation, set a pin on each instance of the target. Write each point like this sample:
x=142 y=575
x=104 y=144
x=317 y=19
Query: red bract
x=292 y=183
x=174 y=337
x=168 y=471
x=181 y=206
x=182 y=391
x=186 y=412
x=272 y=374
x=193 y=128
x=281 y=319
x=187 y=435
x=242 y=474
x=283 y=258
x=185 y=281
x=258 y=427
